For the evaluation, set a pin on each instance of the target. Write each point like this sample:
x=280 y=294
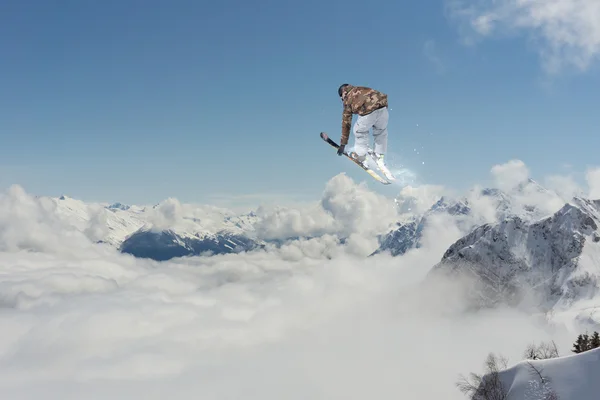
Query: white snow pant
x=378 y=120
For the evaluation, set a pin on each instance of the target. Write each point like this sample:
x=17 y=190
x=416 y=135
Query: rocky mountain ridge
x=547 y=263
x=478 y=207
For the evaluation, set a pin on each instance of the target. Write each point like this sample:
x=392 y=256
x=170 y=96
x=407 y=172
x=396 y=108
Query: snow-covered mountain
x=478 y=207
x=409 y=231
x=550 y=263
x=102 y=223
x=162 y=231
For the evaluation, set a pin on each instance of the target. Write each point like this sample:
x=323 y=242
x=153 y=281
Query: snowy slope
x=551 y=263
x=570 y=377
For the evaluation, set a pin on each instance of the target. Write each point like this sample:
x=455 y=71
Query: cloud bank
x=256 y=326
x=346 y=209
x=313 y=318
x=31 y=224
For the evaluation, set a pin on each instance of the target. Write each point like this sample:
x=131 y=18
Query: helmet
x=341 y=88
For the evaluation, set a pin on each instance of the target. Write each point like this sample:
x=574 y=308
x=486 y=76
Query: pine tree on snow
x=580 y=344
x=595 y=341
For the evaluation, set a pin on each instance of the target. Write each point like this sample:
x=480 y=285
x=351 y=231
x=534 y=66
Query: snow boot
x=360 y=159
x=379 y=159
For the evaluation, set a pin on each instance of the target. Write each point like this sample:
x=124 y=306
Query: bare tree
x=544 y=351
x=530 y=352
x=487 y=386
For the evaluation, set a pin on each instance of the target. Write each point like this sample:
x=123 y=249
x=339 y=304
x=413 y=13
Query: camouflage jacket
x=362 y=101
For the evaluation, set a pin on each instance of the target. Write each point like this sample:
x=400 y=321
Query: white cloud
x=237 y=326
x=357 y=209
x=484 y=207
x=566 y=33
x=27 y=223
x=326 y=246
x=166 y=214
x=346 y=209
x=564 y=185
x=420 y=198
x=312 y=319
x=510 y=175
x=172 y=214
x=514 y=178
x=97 y=227
x=593 y=180
x=281 y=223
x=440 y=232
x=431 y=53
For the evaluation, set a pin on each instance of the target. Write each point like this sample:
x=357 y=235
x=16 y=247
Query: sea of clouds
x=314 y=318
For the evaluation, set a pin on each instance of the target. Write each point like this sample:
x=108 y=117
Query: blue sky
x=136 y=101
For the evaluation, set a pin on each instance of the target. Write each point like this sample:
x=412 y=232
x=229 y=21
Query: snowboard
x=370 y=171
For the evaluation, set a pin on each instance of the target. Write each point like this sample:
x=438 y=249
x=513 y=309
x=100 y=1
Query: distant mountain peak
x=166 y=244
x=118 y=206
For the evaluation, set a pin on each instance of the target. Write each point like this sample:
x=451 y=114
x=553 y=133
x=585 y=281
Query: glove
x=341 y=149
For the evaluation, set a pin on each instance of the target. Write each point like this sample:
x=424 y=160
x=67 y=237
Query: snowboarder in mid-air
x=372 y=109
